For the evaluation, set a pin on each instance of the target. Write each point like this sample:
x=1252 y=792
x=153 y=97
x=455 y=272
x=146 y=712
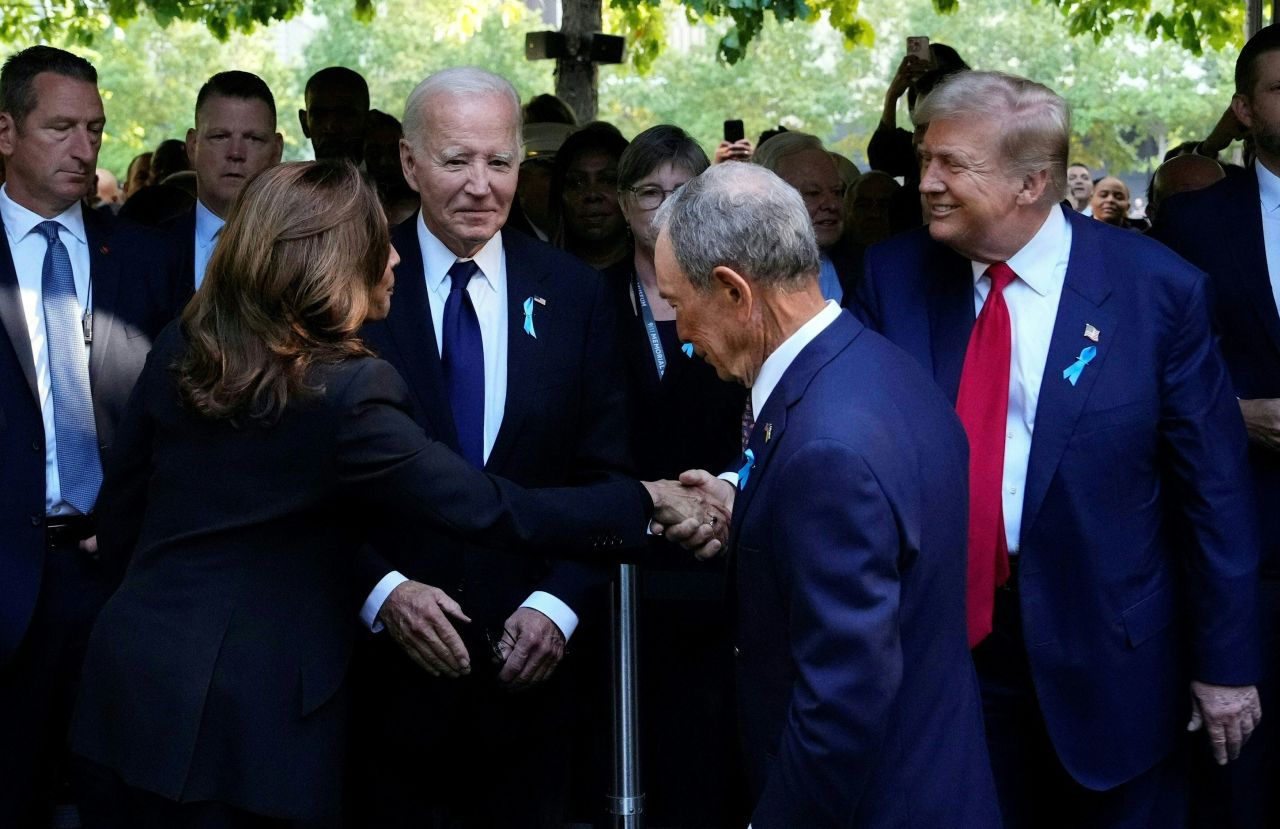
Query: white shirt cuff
x=555 y=610
x=373 y=604
x=731 y=477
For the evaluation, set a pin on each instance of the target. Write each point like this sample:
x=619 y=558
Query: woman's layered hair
x=287 y=288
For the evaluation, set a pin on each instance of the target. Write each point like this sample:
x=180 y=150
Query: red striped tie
x=983 y=407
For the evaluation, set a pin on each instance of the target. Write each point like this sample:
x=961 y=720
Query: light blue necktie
x=79 y=465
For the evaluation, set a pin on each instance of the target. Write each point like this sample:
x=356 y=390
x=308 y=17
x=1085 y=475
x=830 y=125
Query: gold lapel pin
x=768 y=432
x=1091 y=333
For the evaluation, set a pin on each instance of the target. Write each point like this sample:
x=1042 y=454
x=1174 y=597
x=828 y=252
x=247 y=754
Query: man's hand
x=719 y=494
x=531 y=647
x=1262 y=420
x=739 y=150
x=688 y=516
x=89 y=545
x=417 y=617
x=1228 y=714
x=1227 y=129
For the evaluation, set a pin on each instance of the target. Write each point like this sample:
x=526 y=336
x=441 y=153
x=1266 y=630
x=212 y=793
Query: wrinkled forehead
x=452 y=118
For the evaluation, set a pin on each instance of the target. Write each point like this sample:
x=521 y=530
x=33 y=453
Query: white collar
x=19 y=221
x=437 y=259
x=1045 y=248
x=1268 y=188
x=777 y=363
x=208 y=224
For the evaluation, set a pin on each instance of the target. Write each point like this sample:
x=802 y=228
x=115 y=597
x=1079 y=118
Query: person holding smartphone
x=925 y=64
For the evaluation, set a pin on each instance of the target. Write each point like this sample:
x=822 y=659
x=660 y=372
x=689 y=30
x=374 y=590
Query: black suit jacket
x=1219 y=230
x=214 y=671
x=135 y=292
x=181 y=231
x=564 y=420
x=687 y=419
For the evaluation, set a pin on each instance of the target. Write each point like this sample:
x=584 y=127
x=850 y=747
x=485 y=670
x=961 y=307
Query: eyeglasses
x=499 y=646
x=649 y=197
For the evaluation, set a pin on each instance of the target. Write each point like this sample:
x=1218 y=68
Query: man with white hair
x=800 y=160
x=508 y=347
x=857 y=700
x=1113 y=550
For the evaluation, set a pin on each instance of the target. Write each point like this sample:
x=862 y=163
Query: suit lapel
x=1241 y=210
x=1084 y=294
x=951 y=317
x=772 y=421
x=414 y=334
x=524 y=352
x=104 y=279
x=13 y=318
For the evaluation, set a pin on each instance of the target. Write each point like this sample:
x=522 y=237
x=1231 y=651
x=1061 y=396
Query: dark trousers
x=432 y=753
x=106 y=802
x=1035 y=791
x=37 y=687
x=1245 y=794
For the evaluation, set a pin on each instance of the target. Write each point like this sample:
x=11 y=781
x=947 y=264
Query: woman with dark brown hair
x=263 y=442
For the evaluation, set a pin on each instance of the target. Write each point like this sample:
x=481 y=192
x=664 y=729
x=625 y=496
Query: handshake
x=693 y=512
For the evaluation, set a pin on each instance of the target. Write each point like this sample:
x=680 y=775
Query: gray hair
x=1035 y=122
x=744 y=217
x=768 y=154
x=458 y=81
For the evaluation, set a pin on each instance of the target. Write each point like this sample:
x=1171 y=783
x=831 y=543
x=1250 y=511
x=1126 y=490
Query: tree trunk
x=576 y=75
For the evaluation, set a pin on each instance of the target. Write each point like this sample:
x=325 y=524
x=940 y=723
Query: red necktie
x=983 y=406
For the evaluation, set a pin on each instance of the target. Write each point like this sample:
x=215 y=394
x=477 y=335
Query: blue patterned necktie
x=79 y=465
x=463 y=359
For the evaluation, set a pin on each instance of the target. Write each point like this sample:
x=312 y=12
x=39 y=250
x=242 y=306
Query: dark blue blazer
x=564 y=420
x=135 y=293
x=858 y=701
x=1219 y=230
x=181 y=230
x=1139 y=547
x=216 y=671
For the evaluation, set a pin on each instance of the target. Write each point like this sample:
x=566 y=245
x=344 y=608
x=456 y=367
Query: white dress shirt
x=1269 y=192
x=488 y=290
x=777 y=363
x=208 y=226
x=28 y=247
x=1032 y=299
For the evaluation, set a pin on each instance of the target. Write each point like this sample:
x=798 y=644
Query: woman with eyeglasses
x=683 y=417
x=263 y=442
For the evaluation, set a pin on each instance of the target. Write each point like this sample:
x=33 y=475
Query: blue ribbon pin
x=528 y=318
x=745 y=471
x=1073 y=371
x=687 y=348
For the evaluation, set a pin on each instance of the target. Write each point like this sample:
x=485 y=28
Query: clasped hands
x=693 y=512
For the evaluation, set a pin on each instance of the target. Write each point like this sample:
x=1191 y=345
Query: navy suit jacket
x=135 y=293
x=564 y=420
x=1219 y=230
x=181 y=230
x=1138 y=565
x=858 y=700
x=215 y=672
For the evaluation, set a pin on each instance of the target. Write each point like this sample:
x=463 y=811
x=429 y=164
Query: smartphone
x=918 y=46
x=733 y=131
